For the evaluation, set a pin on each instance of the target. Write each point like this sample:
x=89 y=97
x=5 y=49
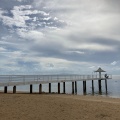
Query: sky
x=59 y=36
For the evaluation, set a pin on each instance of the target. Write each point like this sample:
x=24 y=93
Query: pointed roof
x=100 y=70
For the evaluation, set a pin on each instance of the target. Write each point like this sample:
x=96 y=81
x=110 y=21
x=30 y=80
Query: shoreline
x=56 y=93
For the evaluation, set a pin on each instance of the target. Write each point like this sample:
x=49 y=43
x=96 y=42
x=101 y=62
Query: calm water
x=113 y=87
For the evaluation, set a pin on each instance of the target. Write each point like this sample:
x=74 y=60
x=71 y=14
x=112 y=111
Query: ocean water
x=113 y=86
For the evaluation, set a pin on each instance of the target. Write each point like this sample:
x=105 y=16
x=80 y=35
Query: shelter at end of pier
x=100 y=78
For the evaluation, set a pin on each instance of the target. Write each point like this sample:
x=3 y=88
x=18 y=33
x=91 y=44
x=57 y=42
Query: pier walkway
x=16 y=80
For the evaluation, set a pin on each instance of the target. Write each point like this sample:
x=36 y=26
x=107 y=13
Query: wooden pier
x=17 y=80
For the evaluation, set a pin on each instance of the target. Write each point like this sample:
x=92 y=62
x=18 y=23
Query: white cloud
x=7 y=43
x=55 y=18
x=96 y=47
x=21 y=7
x=31 y=35
x=20 y=15
x=26 y=10
x=92 y=67
x=96 y=17
x=114 y=63
x=18 y=21
x=14 y=55
x=2 y=49
x=47 y=18
x=78 y=52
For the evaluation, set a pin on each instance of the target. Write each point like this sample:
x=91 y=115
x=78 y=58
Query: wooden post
x=31 y=88
x=40 y=88
x=84 y=87
x=5 y=89
x=49 y=87
x=92 y=87
x=58 y=88
x=106 y=85
x=64 y=87
x=99 y=84
x=72 y=87
x=76 y=87
x=14 y=89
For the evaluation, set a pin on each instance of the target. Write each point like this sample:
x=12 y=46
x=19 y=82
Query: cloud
x=92 y=67
x=18 y=21
x=30 y=35
x=20 y=15
x=77 y=52
x=2 y=49
x=114 y=63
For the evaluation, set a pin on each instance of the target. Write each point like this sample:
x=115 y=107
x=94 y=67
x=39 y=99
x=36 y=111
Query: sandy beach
x=58 y=107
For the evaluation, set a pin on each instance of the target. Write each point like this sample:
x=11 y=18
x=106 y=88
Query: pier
x=17 y=80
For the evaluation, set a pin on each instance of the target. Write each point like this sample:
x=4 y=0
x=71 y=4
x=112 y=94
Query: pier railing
x=10 y=80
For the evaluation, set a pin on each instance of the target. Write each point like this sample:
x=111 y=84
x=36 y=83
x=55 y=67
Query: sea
x=113 y=88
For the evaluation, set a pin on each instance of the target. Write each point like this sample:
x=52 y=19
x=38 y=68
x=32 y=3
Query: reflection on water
x=113 y=88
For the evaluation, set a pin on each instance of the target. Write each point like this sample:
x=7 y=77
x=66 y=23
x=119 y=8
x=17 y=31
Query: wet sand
x=58 y=107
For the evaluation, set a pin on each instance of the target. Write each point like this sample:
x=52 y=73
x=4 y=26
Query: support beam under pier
x=75 y=87
x=31 y=88
x=72 y=87
x=84 y=87
x=40 y=88
x=92 y=86
x=14 y=89
x=64 y=87
x=5 y=89
x=49 y=87
x=58 y=88
x=99 y=85
x=106 y=85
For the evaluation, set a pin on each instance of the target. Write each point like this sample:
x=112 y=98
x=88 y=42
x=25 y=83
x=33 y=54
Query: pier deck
x=15 y=80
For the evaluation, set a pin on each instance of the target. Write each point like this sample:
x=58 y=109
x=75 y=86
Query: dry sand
x=58 y=107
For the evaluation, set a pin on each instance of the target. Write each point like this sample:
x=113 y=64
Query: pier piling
x=99 y=85
x=75 y=87
x=49 y=87
x=72 y=87
x=64 y=87
x=40 y=88
x=14 y=89
x=5 y=89
x=58 y=88
x=31 y=88
x=84 y=87
x=92 y=87
x=106 y=85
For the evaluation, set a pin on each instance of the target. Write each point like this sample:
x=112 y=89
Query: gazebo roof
x=100 y=70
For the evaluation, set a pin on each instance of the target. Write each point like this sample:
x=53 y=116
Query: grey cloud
x=59 y=51
x=113 y=5
x=106 y=41
x=85 y=38
x=3 y=30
